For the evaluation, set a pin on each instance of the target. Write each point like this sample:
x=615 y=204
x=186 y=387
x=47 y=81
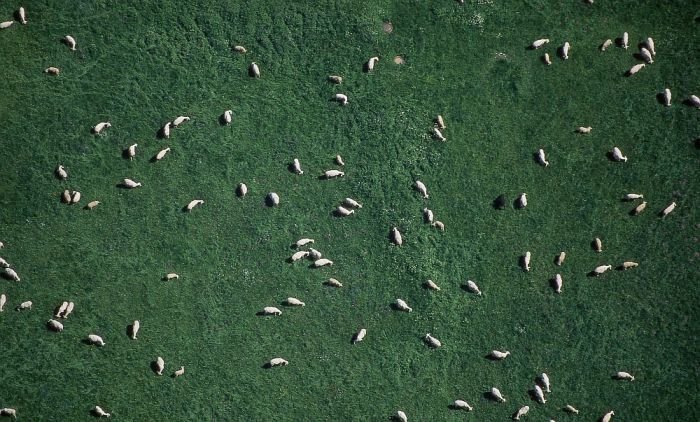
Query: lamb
x=135 y=326
x=272 y=199
x=420 y=187
x=228 y=116
x=584 y=130
x=194 y=203
x=180 y=120
x=462 y=405
x=99 y=412
x=343 y=212
x=179 y=372
x=277 y=362
x=542 y=158
x=522 y=201
x=521 y=412
x=526 y=261
x=352 y=203
x=341 y=98
x=11 y=274
x=241 y=190
x=70 y=42
x=544 y=380
x=667 y=97
x=636 y=68
x=601 y=269
x=51 y=70
x=96 y=340
x=430 y=284
x=333 y=283
x=61 y=172
x=396 y=237
x=160 y=365
x=498 y=355
x=432 y=341
x=496 y=395
x=371 y=63
x=292 y=301
x=558 y=282
x=271 y=310
x=162 y=153
x=54 y=325
x=539 y=395
x=473 y=288
x=131 y=151
x=617 y=155
x=625 y=376
x=254 y=70
x=539 y=43
x=639 y=208
x=401 y=305
x=296 y=166
x=323 y=262
x=598 y=245
x=130 y=184
x=299 y=255
x=666 y=211
x=359 y=336
x=339 y=160
x=571 y=409
x=330 y=174
x=92 y=204
x=100 y=127
x=3 y=301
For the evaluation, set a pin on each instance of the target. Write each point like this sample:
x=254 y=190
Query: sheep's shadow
x=500 y=202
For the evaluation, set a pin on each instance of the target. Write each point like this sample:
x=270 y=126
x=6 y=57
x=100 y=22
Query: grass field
x=140 y=64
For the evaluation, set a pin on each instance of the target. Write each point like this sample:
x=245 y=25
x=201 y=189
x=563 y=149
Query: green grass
x=140 y=64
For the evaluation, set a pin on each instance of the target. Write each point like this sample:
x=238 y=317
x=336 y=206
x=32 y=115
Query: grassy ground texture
x=140 y=64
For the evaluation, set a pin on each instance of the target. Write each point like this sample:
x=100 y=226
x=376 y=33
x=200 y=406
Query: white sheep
x=650 y=45
x=6 y=411
x=180 y=120
x=131 y=151
x=558 y=283
x=437 y=134
x=343 y=212
x=666 y=211
x=70 y=42
x=440 y=122
x=271 y=310
x=96 y=340
x=359 y=336
x=323 y=262
x=303 y=242
x=314 y=254
x=598 y=245
x=165 y=130
x=61 y=309
x=401 y=416
x=4 y=264
x=371 y=63
x=526 y=261
x=130 y=184
x=330 y=174
x=617 y=155
x=396 y=237
x=75 y=198
x=277 y=362
x=420 y=187
x=335 y=79
x=636 y=68
x=333 y=283
x=601 y=269
x=22 y=16
x=428 y=215
x=565 y=50
x=584 y=130
x=193 y=203
x=571 y=409
x=54 y=325
x=352 y=203
x=69 y=309
x=625 y=376
x=241 y=190
x=539 y=395
x=228 y=116
x=296 y=166
x=473 y=288
x=431 y=285
x=299 y=255
x=632 y=196
x=539 y=43
x=462 y=405
x=179 y=372
x=496 y=395
x=341 y=98
x=51 y=70
x=11 y=274
x=292 y=301
x=135 y=326
x=65 y=197
x=639 y=208
x=339 y=160
x=625 y=40
x=92 y=204
x=162 y=153
x=542 y=158
x=254 y=70
x=272 y=199
x=6 y=24
x=544 y=379
x=172 y=276
x=667 y=97
x=498 y=355
x=99 y=412
x=629 y=264
x=522 y=200
x=3 y=301
x=608 y=416
x=401 y=305
x=160 y=365
x=521 y=412
x=607 y=43
x=432 y=341
x=547 y=60
x=61 y=172
x=240 y=49
x=646 y=55
x=100 y=127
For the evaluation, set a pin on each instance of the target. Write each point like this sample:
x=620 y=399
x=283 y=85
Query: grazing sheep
x=180 y=120
x=544 y=380
x=359 y=336
x=96 y=340
x=608 y=416
x=539 y=395
x=343 y=212
x=61 y=309
x=292 y=301
x=650 y=46
x=632 y=196
x=339 y=160
x=69 y=309
x=75 y=198
x=437 y=134
x=65 y=197
x=22 y=16
x=70 y=42
x=228 y=116
x=98 y=128
x=241 y=190
x=165 y=130
x=646 y=55
x=571 y=409
x=666 y=211
x=314 y=254
x=607 y=43
x=396 y=237
x=341 y=98
x=352 y=203
x=99 y=412
x=51 y=70
x=431 y=285
x=526 y=261
x=462 y=405
x=54 y=325
x=61 y=172
x=432 y=341
x=11 y=274
x=333 y=283
x=272 y=199
x=303 y=242
x=6 y=24
x=240 y=49
x=694 y=101
x=420 y=187
x=539 y=43
x=271 y=310
x=542 y=158
x=3 y=301
x=639 y=208
x=498 y=355
x=401 y=416
x=558 y=283
x=193 y=203
x=3 y=263
x=277 y=362
x=547 y=60
x=130 y=184
x=296 y=166
x=24 y=305
x=330 y=174
x=625 y=40
x=371 y=63
x=601 y=269
x=160 y=365
x=521 y=412
x=401 y=305
x=439 y=225
x=2 y=245
x=522 y=200
x=299 y=255
x=179 y=372
x=496 y=395
x=335 y=79
x=254 y=70
x=440 y=122
x=636 y=68
x=322 y=263
x=623 y=376
x=667 y=97
x=584 y=130
x=6 y=411
x=617 y=155
x=92 y=204
x=172 y=276
x=598 y=245
x=565 y=50
x=428 y=215
x=473 y=288
x=131 y=151
x=629 y=264
x=135 y=326
x=162 y=153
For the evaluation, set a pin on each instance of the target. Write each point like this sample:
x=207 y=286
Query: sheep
x=131 y=151
x=135 y=326
x=636 y=68
x=296 y=166
x=179 y=372
x=159 y=365
x=333 y=283
x=401 y=416
x=526 y=261
x=546 y=59
x=277 y=362
x=54 y=325
x=335 y=79
x=75 y=198
x=601 y=269
x=542 y=158
x=271 y=310
x=371 y=63
x=241 y=190
x=70 y=42
x=11 y=274
x=2 y=245
x=401 y=305
x=598 y=245
x=323 y=262
x=61 y=172
x=193 y=203
x=462 y=405
x=432 y=341
x=650 y=46
x=608 y=416
x=539 y=43
x=440 y=122
x=100 y=127
x=6 y=24
x=539 y=395
x=352 y=203
x=254 y=70
x=343 y=212
x=99 y=412
x=498 y=355
x=666 y=211
x=299 y=255
x=473 y=288
x=180 y=120
x=521 y=412
x=522 y=200
x=629 y=264
x=646 y=55
x=437 y=134
x=544 y=380
x=227 y=116
x=667 y=97
x=172 y=276
x=632 y=196
x=6 y=411
x=162 y=153
x=165 y=130
x=694 y=101
x=430 y=284
x=623 y=376
x=314 y=254
x=130 y=184
x=51 y=70
x=558 y=282
x=607 y=43
x=359 y=336
x=292 y=301
x=68 y=311
x=3 y=301
x=496 y=395
x=571 y=409
x=625 y=40
x=584 y=130
x=420 y=187
x=339 y=160
x=639 y=208
x=92 y=204
x=22 y=16
x=3 y=263
x=428 y=215
x=565 y=50
x=65 y=197
x=439 y=225
x=617 y=155
x=341 y=98
x=61 y=309
x=330 y=174
x=96 y=340
x=396 y=237
x=240 y=49
x=272 y=199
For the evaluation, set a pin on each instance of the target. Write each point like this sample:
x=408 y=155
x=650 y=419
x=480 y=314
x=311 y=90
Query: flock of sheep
x=348 y=207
